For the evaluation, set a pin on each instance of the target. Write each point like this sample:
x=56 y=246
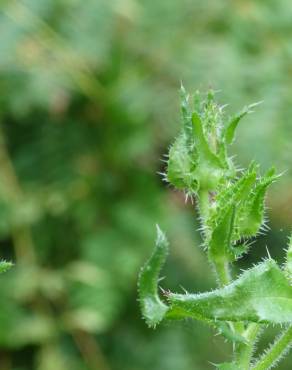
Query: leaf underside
x=153 y=309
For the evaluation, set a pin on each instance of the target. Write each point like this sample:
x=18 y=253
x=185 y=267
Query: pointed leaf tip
x=202 y=144
x=161 y=240
x=234 y=121
x=182 y=88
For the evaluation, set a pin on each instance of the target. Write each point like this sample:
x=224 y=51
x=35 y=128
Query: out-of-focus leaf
x=227 y=366
x=5 y=266
x=21 y=328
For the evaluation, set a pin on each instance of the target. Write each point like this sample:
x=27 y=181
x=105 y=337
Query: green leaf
x=223 y=223
x=220 y=242
x=262 y=294
x=251 y=215
x=229 y=334
x=232 y=194
x=182 y=165
x=203 y=148
x=198 y=158
x=238 y=213
x=153 y=309
x=4 y=266
x=186 y=114
x=234 y=121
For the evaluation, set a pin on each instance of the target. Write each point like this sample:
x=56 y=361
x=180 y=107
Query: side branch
x=276 y=352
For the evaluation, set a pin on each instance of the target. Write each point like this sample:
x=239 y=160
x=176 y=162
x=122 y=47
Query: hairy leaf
x=186 y=114
x=182 y=165
x=234 y=121
x=251 y=216
x=220 y=247
x=202 y=144
x=229 y=334
x=153 y=309
x=238 y=214
x=222 y=221
x=232 y=194
x=261 y=294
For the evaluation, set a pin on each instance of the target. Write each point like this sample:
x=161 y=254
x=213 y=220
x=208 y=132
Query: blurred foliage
x=88 y=105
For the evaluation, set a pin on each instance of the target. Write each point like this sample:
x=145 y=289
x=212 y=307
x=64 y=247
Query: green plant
x=5 y=266
x=231 y=209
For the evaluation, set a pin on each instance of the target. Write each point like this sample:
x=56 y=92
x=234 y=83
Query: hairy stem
x=223 y=272
x=277 y=350
x=222 y=267
x=244 y=351
x=204 y=204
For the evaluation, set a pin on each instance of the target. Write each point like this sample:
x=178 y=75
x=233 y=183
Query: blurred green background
x=88 y=106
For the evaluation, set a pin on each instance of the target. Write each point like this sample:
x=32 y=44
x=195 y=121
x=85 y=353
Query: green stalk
x=244 y=351
x=223 y=272
x=221 y=268
x=277 y=350
x=204 y=204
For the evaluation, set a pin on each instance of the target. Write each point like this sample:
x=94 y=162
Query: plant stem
x=277 y=350
x=222 y=267
x=244 y=351
x=223 y=272
x=204 y=204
